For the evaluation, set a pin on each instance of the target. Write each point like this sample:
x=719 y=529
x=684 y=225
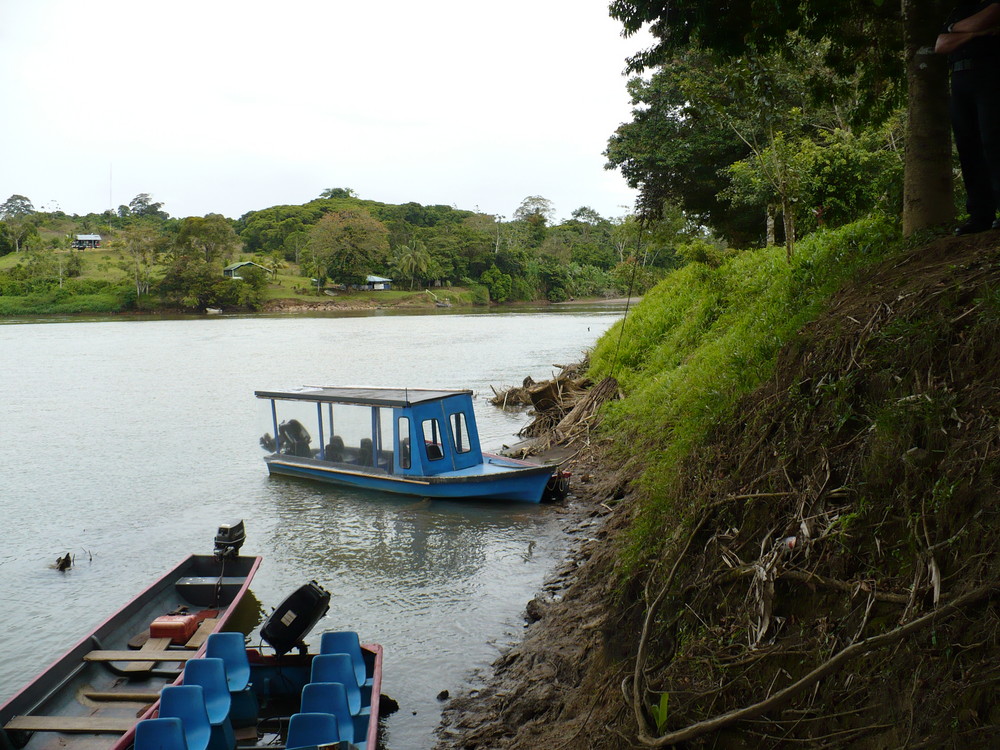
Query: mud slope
x=828 y=575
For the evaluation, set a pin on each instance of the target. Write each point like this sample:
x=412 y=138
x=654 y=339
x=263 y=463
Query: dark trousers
x=975 y=120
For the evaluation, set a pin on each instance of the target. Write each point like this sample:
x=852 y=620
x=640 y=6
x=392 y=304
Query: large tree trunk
x=927 y=176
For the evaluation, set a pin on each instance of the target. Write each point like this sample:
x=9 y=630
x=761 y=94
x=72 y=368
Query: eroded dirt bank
x=827 y=572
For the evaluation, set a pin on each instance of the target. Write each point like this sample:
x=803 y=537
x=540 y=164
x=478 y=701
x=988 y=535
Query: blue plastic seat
x=211 y=675
x=160 y=734
x=331 y=698
x=312 y=729
x=346 y=642
x=338 y=668
x=231 y=648
x=187 y=703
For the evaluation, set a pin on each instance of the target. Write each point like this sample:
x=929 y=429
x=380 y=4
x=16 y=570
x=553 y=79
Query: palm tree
x=411 y=261
x=274 y=263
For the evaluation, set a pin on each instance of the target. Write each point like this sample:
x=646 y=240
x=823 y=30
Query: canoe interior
x=64 y=688
x=276 y=683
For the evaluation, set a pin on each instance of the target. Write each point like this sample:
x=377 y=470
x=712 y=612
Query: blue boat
x=410 y=441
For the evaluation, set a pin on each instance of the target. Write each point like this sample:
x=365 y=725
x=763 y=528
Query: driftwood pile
x=564 y=407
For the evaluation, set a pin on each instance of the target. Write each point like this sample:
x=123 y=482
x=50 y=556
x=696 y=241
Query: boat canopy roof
x=368 y=396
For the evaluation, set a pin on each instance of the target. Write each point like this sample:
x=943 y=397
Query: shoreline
x=523 y=681
x=299 y=305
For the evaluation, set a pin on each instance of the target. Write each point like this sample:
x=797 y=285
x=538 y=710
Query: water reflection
x=384 y=540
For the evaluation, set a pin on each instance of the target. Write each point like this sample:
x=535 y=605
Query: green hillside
x=319 y=254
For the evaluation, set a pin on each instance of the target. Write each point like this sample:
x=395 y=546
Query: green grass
x=704 y=337
x=50 y=304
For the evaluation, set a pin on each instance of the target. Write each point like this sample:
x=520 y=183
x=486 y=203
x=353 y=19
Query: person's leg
x=965 y=121
x=988 y=110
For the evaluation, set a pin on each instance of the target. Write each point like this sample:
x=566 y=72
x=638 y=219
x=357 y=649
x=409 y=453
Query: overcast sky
x=228 y=106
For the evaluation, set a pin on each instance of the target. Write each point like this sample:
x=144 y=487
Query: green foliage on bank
x=707 y=335
x=61 y=303
x=328 y=245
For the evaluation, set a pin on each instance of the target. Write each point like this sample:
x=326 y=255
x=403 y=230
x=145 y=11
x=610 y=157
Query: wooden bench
x=146 y=696
x=71 y=724
x=139 y=664
x=205 y=628
x=142 y=655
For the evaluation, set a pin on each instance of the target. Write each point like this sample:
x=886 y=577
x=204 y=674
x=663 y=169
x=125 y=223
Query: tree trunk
x=770 y=225
x=788 y=222
x=927 y=174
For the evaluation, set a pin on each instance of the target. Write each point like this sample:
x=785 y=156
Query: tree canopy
x=756 y=47
x=346 y=246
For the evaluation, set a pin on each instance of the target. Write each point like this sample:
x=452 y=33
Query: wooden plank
x=79 y=724
x=245 y=734
x=141 y=655
x=122 y=695
x=150 y=644
x=205 y=628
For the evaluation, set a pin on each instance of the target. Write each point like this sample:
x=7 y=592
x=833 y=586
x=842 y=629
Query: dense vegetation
x=151 y=261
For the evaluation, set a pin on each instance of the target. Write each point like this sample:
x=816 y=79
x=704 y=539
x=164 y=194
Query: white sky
x=229 y=106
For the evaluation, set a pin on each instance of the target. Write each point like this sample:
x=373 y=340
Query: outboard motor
x=557 y=487
x=295 y=617
x=229 y=540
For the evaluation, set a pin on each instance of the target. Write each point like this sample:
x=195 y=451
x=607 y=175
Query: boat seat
x=187 y=703
x=404 y=453
x=210 y=674
x=346 y=642
x=231 y=648
x=365 y=453
x=434 y=452
x=205 y=628
x=140 y=655
x=334 y=450
x=331 y=698
x=151 y=644
x=71 y=724
x=160 y=734
x=122 y=696
x=307 y=729
x=338 y=668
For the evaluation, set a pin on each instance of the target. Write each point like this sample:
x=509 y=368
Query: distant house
x=376 y=283
x=232 y=271
x=84 y=241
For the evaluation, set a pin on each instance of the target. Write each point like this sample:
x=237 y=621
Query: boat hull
x=65 y=687
x=499 y=478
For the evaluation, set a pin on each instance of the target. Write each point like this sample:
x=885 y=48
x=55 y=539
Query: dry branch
x=828 y=667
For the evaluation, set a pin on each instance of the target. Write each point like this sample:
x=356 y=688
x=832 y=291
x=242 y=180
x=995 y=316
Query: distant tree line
x=339 y=239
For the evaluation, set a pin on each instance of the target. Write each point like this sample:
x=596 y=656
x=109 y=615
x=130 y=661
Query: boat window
x=460 y=433
x=403 y=428
x=432 y=439
x=347 y=430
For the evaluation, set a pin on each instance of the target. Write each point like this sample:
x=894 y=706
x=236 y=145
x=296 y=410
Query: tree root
x=828 y=667
x=803 y=576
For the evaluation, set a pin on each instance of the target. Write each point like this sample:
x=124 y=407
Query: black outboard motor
x=557 y=487
x=295 y=617
x=229 y=540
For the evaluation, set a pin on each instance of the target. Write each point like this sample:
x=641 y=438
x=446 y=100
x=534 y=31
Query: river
x=126 y=442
